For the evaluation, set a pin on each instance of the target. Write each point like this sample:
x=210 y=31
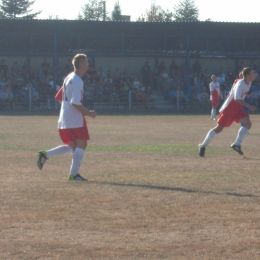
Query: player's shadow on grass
x=142 y=186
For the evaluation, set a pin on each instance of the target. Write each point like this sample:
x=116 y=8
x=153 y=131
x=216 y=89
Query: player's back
x=70 y=117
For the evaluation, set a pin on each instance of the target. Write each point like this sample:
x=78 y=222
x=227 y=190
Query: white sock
x=242 y=132
x=214 y=112
x=211 y=134
x=63 y=149
x=78 y=156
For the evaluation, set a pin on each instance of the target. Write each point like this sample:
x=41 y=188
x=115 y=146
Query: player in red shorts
x=72 y=125
x=232 y=110
x=214 y=88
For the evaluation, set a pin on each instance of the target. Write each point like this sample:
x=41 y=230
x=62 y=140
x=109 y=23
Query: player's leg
x=242 y=133
x=213 y=113
x=45 y=155
x=78 y=155
x=210 y=135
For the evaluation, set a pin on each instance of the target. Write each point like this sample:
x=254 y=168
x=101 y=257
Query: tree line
x=95 y=10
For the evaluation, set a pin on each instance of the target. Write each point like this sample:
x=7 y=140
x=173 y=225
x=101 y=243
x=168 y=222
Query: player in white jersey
x=72 y=125
x=214 y=88
x=232 y=110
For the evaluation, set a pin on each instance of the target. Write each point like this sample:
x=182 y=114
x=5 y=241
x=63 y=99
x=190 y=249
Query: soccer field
x=149 y=195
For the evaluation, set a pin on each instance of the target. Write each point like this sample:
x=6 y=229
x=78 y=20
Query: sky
x=221 y=10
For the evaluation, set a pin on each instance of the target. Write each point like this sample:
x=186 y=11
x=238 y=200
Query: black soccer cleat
x=202 y=150
x=41 y=159
x=237 y=148
x=77 y=177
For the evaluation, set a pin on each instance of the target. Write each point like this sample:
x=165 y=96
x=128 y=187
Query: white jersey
x=238 y=91
x=70 y=117
x=214 y=86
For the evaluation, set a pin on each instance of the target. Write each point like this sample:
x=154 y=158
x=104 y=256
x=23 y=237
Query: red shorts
x=71 y=134
x=215 y=102
x=228 y=116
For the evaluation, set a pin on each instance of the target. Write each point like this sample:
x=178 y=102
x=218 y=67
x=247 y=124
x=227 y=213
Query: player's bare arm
x=84 y=111
x=244 y=104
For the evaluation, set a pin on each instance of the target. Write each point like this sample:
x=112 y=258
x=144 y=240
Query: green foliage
x=94 y=10
x=17 y=9
x=156 y=14
x=186 y=10
x=116 y=13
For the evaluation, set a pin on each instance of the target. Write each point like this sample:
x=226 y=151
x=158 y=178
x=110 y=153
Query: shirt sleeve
x=77 y=92
x=59 y=94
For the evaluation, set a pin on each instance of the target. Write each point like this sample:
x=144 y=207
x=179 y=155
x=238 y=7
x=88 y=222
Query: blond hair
x=78 y=59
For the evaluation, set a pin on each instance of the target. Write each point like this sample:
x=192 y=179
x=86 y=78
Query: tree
x=116 y=13
x=186 y=10
x=17 y=9
x=94 y=10
x=156 y=14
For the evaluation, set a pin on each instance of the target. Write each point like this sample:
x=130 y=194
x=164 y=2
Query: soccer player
x=72 y=125
x=232 y=110
x=214 y=88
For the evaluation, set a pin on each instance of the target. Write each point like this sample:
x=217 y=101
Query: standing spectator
x=146 y=74
x=196 y=67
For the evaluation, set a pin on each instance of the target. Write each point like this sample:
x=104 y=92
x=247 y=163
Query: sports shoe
x=77 y=177
x=237 y=148
x=41 y=159
x=201 y=150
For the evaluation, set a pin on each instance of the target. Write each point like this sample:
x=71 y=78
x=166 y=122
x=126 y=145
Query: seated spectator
x=149 y=99
x=161 y=67
x=255 y=95
x=230 y=77
x=35 y=99
x=155 y=77
x=7 y=97
x=42 y=88
x=206 y=73
x=116 y=75
x=3 y=69
x=203 y=98
x=174 y=67
x=68 y=68
x=196 y=67
x=26 y=66
x=101 y=74
x=22 y=97
x=15 y=68
x=45 y=66
x=135 y=84
x=88 y=97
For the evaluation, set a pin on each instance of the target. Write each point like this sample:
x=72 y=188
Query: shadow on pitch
x=142 y=186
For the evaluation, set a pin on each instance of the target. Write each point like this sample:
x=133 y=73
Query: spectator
x=68 y=67
x=174 y=68
x=3 y=69
x=146 y=74
x=15 y=68
x=230 y=76
x=196 y=67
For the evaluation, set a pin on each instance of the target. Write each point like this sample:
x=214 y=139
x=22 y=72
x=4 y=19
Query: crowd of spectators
x=21 y=84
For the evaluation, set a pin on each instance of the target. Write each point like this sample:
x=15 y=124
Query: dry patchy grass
x=149 y=195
